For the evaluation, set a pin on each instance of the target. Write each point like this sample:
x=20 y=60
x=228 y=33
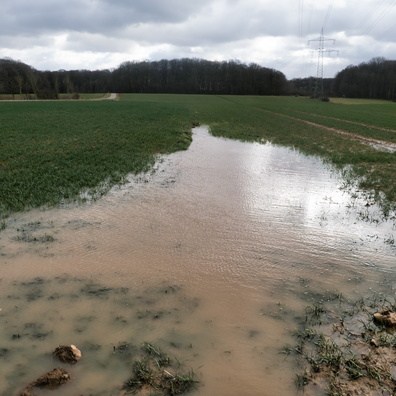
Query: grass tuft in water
x=160 y=357
x=340 y=346
x=149 y=374
x=179 y=383
x=142 y=376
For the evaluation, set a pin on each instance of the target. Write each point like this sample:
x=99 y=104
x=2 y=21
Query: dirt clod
x=386 y=318
x=51 y=380
x=68 y=354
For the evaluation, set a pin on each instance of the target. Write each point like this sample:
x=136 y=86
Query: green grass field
x=51 y=151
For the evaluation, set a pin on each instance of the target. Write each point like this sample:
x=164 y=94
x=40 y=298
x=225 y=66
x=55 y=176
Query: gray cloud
x=100 y=33
x=90 y=15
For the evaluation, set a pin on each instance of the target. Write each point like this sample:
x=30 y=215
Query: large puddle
x=211 y=257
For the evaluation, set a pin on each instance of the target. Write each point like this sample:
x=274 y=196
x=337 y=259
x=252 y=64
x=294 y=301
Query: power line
x=368 y=16
x=310 y=9
x=381 y=36
x=380 y=17
x=328 y=14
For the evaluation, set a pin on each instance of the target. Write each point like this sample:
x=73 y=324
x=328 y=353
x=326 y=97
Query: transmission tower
x=318 y=86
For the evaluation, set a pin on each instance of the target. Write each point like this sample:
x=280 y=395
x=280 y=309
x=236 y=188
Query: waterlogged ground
x=213 y=258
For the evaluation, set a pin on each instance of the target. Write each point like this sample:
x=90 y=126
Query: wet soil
x=213 y=257
x=344 y=350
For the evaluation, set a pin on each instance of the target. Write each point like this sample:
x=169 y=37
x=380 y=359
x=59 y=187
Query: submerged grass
x=149 y=374
x=345 y=352
x=52 y=151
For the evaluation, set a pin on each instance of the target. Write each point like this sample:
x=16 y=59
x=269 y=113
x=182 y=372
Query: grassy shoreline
x=340 y=348
x=266 y=119
x=52 y=151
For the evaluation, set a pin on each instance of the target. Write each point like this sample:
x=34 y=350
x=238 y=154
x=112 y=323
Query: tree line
x=192 y=76
x=375 y=79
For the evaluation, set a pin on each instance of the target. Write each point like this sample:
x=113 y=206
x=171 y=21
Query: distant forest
x=375 y=79
x=192 y=76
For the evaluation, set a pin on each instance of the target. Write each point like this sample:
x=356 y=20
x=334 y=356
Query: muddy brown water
x=212 y=257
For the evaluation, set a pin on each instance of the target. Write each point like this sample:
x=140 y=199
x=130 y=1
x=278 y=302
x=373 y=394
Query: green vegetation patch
x=52 y=151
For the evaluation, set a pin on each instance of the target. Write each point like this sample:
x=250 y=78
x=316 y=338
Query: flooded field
x=212 y=258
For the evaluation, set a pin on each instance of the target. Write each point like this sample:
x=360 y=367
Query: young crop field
x=51 y=151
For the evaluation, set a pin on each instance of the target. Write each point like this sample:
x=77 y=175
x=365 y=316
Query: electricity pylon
x=318 y=86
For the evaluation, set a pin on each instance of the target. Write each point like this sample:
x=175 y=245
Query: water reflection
x=235 y=228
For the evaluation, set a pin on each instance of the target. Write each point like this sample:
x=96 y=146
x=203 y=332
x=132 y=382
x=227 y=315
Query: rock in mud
x=68 y=354
x=386 y=318
x=51 y=380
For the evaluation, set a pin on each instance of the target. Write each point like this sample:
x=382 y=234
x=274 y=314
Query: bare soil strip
x=349 y=122
x=376 y=142
x=112 y=96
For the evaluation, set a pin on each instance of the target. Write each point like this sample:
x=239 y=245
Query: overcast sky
x=101 y=34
